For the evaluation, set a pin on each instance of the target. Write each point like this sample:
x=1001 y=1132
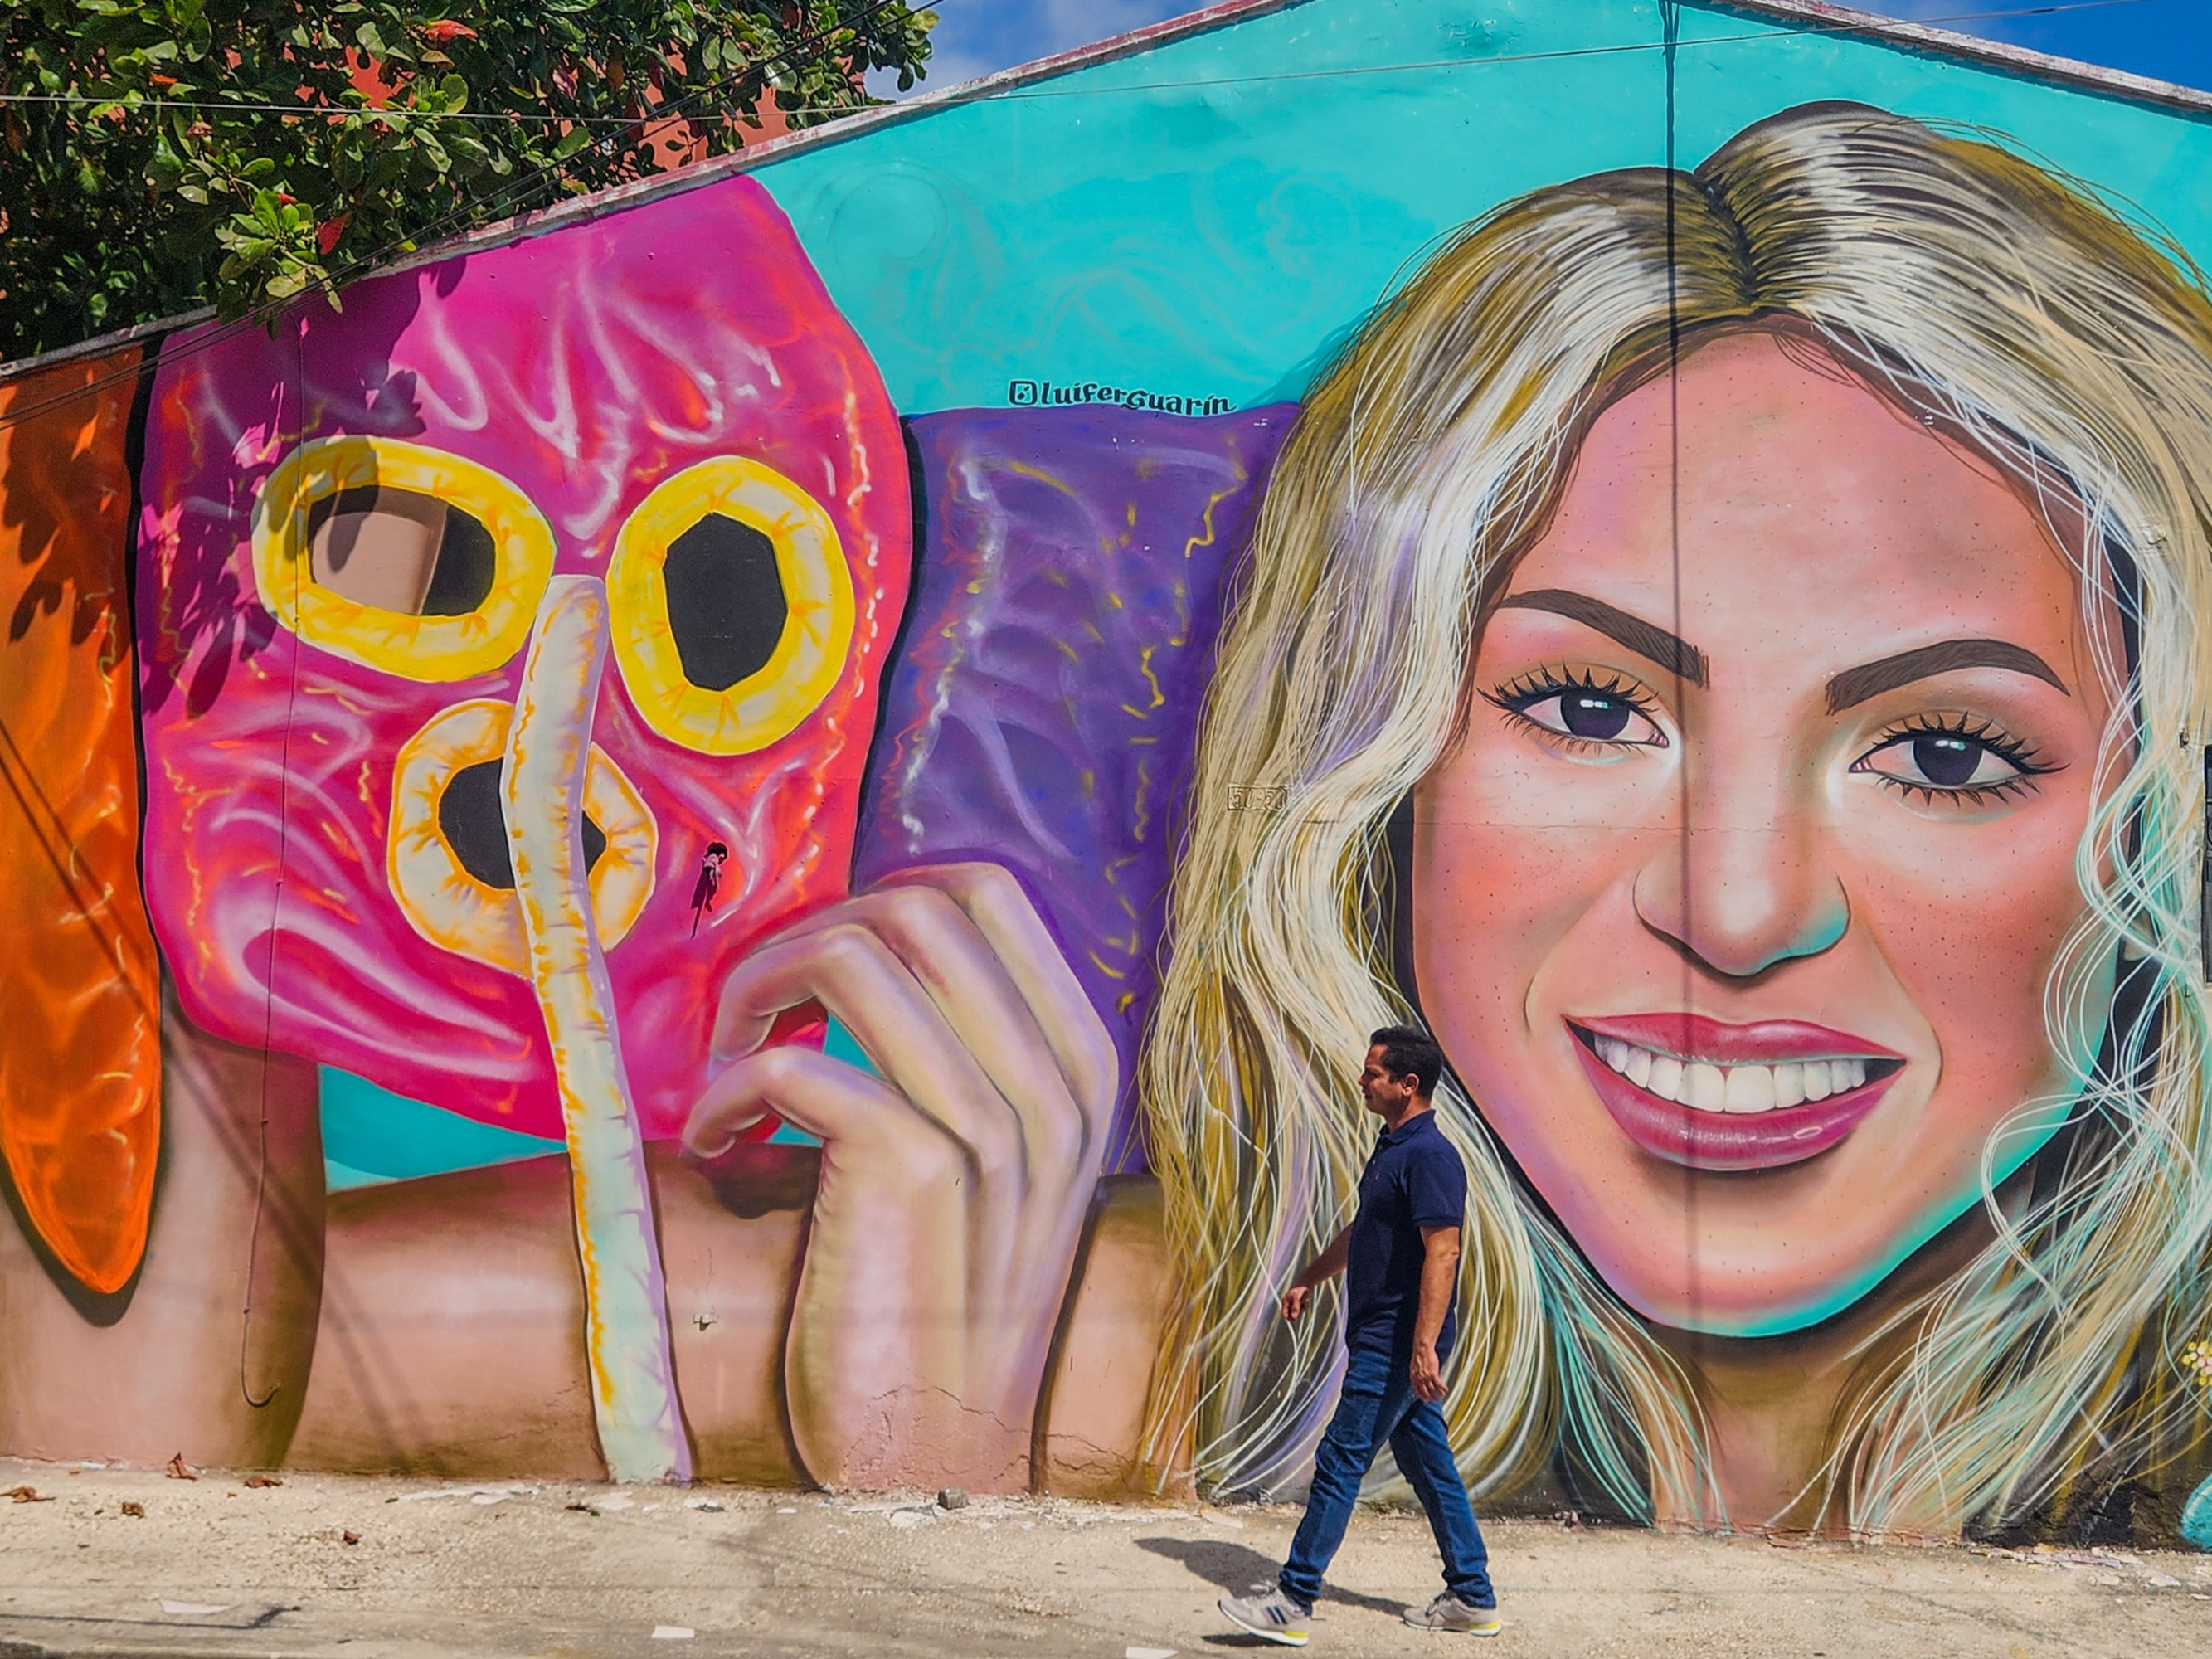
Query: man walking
x=1403 y=1252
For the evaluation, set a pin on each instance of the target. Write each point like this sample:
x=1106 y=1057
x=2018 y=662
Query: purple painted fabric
x=1045 y=702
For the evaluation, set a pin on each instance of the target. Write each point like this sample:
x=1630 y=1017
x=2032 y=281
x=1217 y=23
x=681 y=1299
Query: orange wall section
x=79 y=979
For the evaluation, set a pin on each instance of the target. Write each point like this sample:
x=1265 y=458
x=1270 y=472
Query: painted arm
x=1439 y=1271
x=1327 y=1265
x=902 y=1305
x=957 y=1172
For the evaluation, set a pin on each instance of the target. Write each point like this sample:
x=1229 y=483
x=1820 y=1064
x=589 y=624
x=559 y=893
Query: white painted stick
x=626 y=1300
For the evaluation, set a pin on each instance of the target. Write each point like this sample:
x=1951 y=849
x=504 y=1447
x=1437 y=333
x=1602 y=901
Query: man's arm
x=1327 y=1265
x=1439 y=1270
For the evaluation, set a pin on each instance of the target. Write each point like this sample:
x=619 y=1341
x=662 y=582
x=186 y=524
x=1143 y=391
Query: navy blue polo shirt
x=1413 y=1180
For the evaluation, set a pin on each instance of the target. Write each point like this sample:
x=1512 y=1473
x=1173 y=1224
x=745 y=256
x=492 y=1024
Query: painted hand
x=954 y=1186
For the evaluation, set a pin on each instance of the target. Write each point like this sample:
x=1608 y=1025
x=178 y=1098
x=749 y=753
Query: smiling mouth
x=1708 y=1096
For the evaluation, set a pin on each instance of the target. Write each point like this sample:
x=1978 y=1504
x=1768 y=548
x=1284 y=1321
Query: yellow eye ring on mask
x=809 y=653
x=457 y=909
x=417 y=647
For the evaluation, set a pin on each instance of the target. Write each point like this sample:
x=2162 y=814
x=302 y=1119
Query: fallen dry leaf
x=263 y=1480
x=133 y=1507
x=28 y=1495
x=179 y=1470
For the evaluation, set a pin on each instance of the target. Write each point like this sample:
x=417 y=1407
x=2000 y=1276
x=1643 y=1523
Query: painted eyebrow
x=1655 y=644
x=1856 y=686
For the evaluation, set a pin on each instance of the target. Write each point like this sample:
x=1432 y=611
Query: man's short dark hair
x=1408 y=1049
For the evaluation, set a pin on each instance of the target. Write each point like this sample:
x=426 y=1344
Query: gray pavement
x=215 y=1567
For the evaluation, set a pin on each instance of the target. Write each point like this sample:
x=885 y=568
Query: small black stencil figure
x=710 y=883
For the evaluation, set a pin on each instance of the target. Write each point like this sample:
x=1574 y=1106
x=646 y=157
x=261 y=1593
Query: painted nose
x=1745 y=886
x=545 y=770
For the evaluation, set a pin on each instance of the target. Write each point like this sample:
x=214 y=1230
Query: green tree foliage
x=151 y=161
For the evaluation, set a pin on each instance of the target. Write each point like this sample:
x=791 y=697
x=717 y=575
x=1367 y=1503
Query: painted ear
x=79 y=987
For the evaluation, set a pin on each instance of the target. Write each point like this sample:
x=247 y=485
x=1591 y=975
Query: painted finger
x=831 y=1101
x=856 y=977
x=1002 y=912
x=941 y=945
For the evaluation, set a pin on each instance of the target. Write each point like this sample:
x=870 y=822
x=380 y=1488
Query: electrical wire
x=984 y=92
x=478 y=210
x=133 y=101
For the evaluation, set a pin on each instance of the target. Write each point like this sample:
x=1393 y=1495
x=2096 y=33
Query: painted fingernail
x=706 y=1155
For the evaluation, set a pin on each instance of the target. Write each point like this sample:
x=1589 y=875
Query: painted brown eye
x=732 y=606
x=399 y=550
x=725 y=604
x=401 y=557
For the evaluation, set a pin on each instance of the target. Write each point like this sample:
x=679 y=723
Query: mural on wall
x=903 y=888
x=79 y=969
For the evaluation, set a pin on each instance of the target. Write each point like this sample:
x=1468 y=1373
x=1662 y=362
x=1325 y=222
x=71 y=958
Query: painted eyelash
x=2015 y=753
x=1530 y=688
x=1517 y=696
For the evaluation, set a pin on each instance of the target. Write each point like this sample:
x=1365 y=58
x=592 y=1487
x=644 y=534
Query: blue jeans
x=1378 y=1404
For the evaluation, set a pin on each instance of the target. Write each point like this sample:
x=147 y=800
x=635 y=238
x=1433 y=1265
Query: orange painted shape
x=80 y=1002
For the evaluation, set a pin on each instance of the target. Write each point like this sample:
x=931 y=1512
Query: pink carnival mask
x=536 y=604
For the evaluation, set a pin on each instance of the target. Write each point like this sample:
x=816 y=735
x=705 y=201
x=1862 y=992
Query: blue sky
x=2168 y=39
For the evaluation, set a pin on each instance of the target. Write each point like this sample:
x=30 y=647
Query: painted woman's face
x=1738 y=900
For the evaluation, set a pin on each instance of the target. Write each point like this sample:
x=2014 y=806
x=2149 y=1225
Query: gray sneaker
x=1448 y=1613
x=1272 y=1618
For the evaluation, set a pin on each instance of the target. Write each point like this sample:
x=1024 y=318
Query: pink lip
x=1731 y=1141
x=1762 y=1042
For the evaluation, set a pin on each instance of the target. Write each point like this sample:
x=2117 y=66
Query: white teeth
x=1705 y=1086
x=1788 y=1085
x=1750 y=1089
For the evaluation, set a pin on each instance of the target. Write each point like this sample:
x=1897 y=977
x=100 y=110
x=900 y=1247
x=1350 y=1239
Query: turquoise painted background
x=1205 y=218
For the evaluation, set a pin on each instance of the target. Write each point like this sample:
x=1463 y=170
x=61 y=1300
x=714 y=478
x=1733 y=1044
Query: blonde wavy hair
x=2023 y=313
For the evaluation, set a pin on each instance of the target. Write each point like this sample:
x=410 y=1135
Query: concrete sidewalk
x=335 y=1566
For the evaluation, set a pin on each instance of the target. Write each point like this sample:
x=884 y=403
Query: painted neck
x=1774 y=1405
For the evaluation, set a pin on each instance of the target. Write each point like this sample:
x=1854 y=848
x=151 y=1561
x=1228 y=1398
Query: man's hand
x=1327 y=1265
x=1439 y=1274
x=1428 y=1375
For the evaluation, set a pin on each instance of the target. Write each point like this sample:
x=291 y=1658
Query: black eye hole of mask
x=475 y=827
x=726 y=603
x=400 y=551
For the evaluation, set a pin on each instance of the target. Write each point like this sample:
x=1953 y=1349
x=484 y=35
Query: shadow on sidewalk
x=1239 y=1568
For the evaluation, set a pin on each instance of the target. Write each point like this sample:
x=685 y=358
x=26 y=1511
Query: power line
x=348 y=112
x=980 y=94
x=498 y=199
